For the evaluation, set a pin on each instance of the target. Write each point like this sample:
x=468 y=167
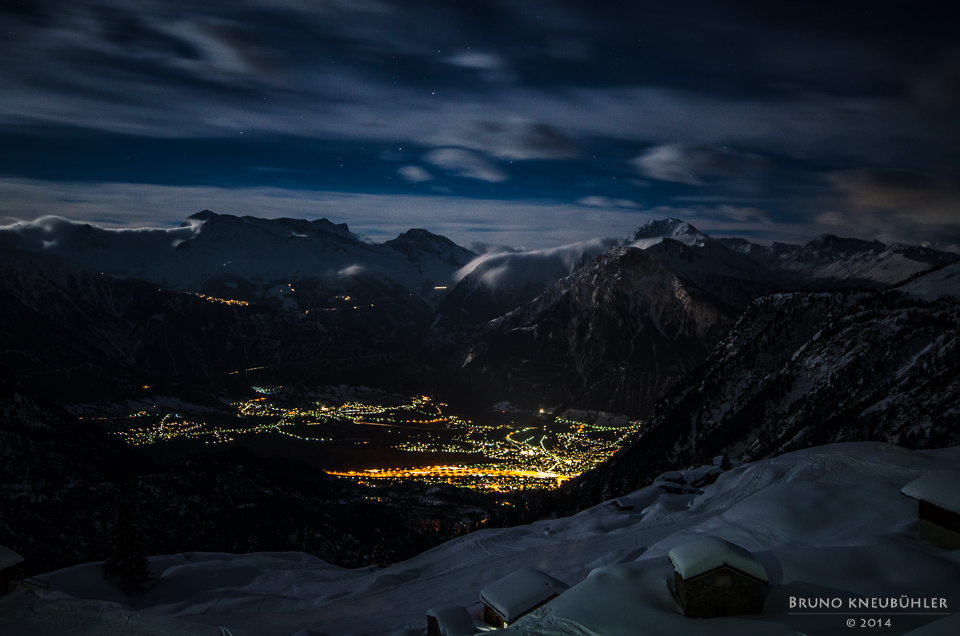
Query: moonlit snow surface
x=941 y=282
x=828 y=522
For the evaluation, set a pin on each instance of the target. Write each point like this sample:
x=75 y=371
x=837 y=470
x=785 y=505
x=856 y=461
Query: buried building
x=8 y=560
x=713 y=577
x=450 y=620
x=939 y=495
x=518 y=594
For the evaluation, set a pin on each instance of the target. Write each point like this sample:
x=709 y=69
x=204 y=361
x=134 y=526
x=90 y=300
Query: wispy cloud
x=597 y=201
x=530 y=224
x=490 y=91
x=897 y=206
x=466 y=163
x=414 y=173
x=690 y=164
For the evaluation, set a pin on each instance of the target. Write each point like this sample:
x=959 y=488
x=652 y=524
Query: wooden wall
x=722 y=592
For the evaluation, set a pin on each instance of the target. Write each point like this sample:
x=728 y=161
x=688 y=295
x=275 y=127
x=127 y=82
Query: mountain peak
x=418 y=242
x=418 y=236
x=281 y=226
x=203 y=215
x=664 y=228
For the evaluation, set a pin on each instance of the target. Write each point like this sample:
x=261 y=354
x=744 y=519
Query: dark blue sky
x=509 y=122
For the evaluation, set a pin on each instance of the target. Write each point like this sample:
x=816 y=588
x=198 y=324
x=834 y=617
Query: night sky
x=522 y=123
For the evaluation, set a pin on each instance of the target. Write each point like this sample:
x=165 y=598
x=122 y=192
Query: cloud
x=512 y=138
x=897 y=206
x=491 y=66
x=729 y=220
x=606 y=202
x=529 y=224
x=88 y=241
x=466 y=163
x=478 y=60
x=525 y=223
x=367 y=67
x=350 y=72
x=589 y=81
x=686 y=163
x=414 y=173
x=731 y=214
x=540 y=267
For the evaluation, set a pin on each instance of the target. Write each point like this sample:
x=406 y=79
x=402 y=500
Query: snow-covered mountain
x=614 y=335
x=940 y=282
x=496 y=283
x=804 y=369
x=828 y=522
x=620 y=330
x=493 y=284
x=831 y=262
x=247 y=258
x=606 y=343
x=652 y=232
x=728 y=276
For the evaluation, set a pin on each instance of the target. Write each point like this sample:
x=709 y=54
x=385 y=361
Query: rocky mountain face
x=72 y=334
x=622 y=329
x=594 y=323
x=614 y=335
x=494 y=284
x=804 y=369
x=727 y=276
x=291 y=265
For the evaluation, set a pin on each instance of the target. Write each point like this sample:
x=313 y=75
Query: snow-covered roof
x=939 y=487
x=516 y=594
x=706 y=553
x=453 y=620
x=8 y=558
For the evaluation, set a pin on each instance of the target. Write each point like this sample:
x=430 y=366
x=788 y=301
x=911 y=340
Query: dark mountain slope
x=799 y=370
x=74 y=334
x=58 y=476
x=614 y=335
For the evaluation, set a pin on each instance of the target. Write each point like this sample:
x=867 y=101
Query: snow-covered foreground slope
x=942 y=282
x=827 y=522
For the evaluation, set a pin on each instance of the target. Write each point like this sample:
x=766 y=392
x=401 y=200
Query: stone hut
x=518 y=594
x=713 y=577
x=939 y=495
x=8 y=559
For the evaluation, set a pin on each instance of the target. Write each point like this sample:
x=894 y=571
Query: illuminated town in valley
x=415 y=438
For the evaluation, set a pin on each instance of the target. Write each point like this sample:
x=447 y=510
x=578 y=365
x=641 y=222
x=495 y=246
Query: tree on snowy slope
x=125 y=550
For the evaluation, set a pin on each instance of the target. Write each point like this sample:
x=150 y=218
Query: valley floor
x=828 y=522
